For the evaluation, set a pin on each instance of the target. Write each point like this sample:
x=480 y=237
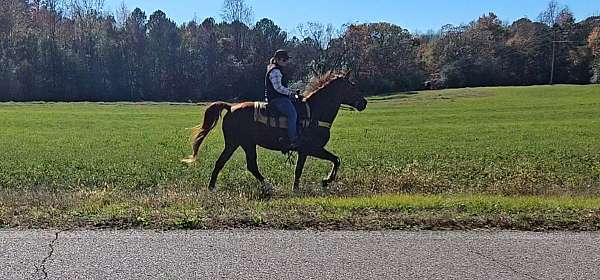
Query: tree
x=565 y=18
x=529 y=49
x=571 y=64
x=121 y=14
x=356 y=42
x=237 y=10
x=594 y=45
x=472 y=55
x=240 y=16
x=317 y=42
x=16 y=73
x=163 y=45
x=48 y=20
x=392 y=59
x=548 y=16
x=382 y=56
x=74 y=50
x=136 y=53
x=88 y=17
x=210 y=51
x=268 y=38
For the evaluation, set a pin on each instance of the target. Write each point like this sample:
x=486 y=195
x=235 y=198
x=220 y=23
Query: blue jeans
x=285 y=106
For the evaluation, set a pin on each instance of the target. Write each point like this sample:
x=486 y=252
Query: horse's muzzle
x=360 y=105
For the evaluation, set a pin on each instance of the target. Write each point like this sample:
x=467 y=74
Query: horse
x=324 y=95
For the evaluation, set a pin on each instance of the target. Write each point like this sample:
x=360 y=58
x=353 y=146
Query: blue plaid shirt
x=275 y=78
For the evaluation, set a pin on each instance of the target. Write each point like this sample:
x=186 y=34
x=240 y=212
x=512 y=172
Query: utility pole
x=553 y=58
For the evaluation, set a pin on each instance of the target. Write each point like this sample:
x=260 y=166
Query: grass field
x=78 y=159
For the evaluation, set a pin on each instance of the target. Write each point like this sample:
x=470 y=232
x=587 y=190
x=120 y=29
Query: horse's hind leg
x=225 y=156
x=251 y=163
x=326 y=155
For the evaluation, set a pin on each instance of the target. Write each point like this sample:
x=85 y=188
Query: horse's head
x=350 y=94
x=337 y=89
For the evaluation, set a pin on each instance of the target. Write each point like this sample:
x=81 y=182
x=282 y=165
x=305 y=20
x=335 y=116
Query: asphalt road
x=298 y=255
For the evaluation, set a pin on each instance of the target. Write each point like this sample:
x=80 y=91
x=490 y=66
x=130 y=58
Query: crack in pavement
x=42 y=267
x=492 y=259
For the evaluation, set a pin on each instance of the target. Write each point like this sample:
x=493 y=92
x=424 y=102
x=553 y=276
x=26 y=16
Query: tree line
x=75 y=50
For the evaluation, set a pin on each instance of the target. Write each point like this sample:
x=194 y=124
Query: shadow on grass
x=393 y=95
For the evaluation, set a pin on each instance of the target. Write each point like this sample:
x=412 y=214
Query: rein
x=347 y=108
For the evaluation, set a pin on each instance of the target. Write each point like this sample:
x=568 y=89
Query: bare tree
x=51 y=5
x=319 y=37
x=556 y=14
x=549 y=15
x=319 y=33
x=121 y=14
x=80 y=8
x=237 y=10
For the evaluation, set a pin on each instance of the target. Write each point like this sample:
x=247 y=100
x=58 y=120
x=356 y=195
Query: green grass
x=466 y=202
x=537 y=142
x=184 y=210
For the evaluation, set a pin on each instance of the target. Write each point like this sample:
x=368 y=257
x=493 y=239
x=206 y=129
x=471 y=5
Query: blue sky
x=413 y=15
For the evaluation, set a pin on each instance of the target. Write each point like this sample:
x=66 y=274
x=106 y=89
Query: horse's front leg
x=299 y=168
x=250 y=150
x=326 y=155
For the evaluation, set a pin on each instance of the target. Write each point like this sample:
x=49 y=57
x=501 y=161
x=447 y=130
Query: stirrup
x=295 y=146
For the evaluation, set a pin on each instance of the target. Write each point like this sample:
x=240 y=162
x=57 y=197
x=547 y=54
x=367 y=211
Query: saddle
x=271 y=117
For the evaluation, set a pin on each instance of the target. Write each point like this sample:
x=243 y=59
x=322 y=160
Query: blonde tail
x=199 y=133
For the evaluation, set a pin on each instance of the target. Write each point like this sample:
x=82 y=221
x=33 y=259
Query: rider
x=279 y=95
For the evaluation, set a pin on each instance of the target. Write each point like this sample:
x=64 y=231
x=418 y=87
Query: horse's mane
x=317 y=83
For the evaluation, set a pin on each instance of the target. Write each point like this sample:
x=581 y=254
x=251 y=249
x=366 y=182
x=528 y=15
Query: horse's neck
x=324 y=109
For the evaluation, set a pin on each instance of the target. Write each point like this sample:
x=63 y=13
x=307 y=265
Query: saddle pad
x=261 y=115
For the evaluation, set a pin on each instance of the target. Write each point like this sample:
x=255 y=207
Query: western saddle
x=271 y=117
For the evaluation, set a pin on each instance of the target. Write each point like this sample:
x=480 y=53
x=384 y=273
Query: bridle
x=350 y=107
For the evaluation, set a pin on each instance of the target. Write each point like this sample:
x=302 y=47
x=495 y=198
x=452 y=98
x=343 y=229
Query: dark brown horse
x=324 y=95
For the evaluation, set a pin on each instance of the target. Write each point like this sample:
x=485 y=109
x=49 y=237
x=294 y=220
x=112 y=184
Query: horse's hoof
x=212 y=189
x=324 y=184
x=266 y=195
x=188 y=160
x=266 y=189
